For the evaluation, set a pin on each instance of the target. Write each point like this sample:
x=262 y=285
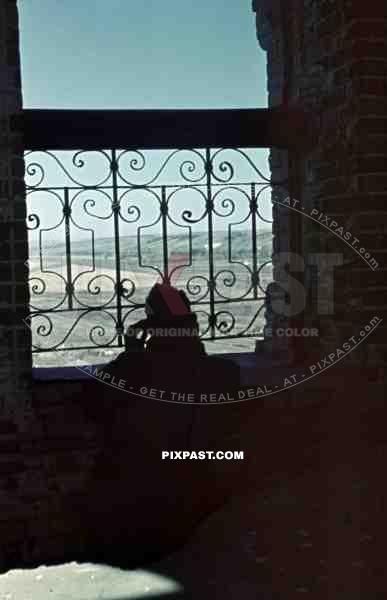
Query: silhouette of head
x=166 y=302
x=168 y=314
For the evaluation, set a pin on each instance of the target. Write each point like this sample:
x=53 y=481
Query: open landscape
x=83 y=330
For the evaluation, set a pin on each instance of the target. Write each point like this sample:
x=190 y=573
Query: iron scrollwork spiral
x=133 y=197
x=225 y=322
x=138 y=164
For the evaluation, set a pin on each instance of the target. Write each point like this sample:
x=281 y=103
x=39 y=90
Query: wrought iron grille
x=104 y=225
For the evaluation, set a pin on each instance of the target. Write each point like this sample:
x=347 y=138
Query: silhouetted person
x=164 y=351
x=135 y=496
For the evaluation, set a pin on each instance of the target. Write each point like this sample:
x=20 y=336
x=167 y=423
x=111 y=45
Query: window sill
x=255 y=369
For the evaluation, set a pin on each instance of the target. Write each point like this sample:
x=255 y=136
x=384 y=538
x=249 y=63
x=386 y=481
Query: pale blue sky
x=147 y=54
x=138 y=54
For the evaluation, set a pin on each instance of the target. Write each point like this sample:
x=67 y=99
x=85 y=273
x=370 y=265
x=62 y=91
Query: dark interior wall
x=14 y=337
x=328 y=58
x=95 y=486
x=15 y=371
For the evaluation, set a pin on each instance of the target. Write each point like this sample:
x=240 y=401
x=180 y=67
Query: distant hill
x=151 y=245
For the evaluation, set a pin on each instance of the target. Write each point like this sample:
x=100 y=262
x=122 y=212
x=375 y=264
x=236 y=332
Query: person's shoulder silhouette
x=164 y=351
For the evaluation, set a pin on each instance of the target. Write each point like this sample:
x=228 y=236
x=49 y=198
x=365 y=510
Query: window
x=104 y=223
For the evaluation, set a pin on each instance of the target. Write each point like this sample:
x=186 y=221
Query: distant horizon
x=262 y=228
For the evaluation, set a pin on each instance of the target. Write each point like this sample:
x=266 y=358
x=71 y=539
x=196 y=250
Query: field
x=85 y=328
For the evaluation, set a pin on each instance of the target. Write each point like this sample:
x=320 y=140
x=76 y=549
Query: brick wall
x=321 y=526
x=329 y=59
x=94 y=484
x=14 y=340
x=87 y=480
x=318 y=455
x=15 y=358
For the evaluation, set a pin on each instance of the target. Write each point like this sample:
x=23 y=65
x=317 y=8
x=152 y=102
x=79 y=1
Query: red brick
x=372 y=184
x=373 y=86
x=371 y=29
x=353 y=202
x=364 y=278
x=364 y=50
x=359 y=9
